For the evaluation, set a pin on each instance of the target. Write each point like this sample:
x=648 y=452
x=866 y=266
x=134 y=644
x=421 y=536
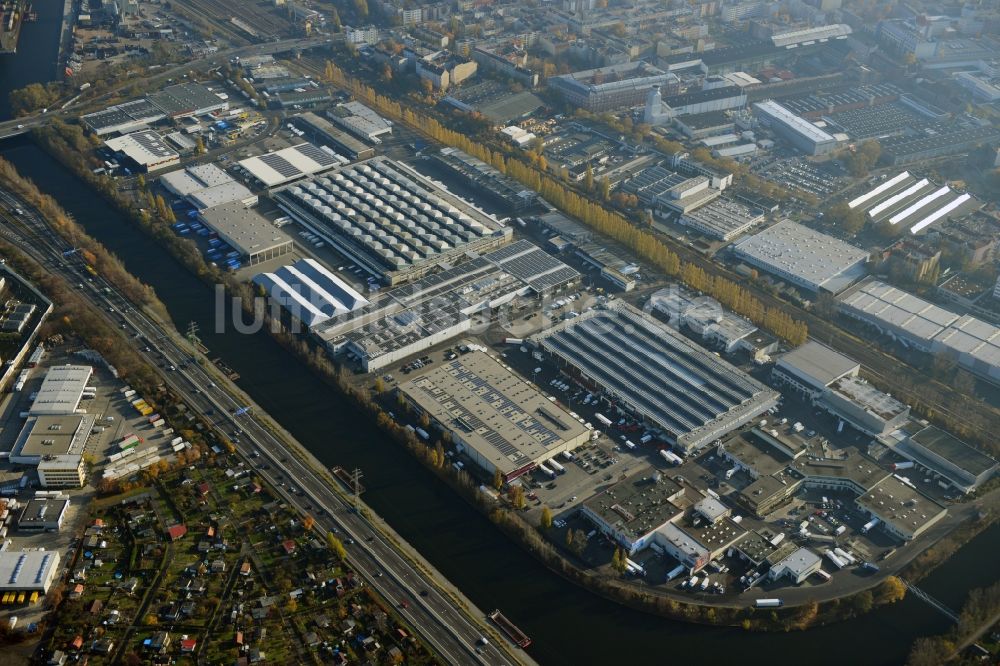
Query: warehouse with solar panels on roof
x=495 y=418
x=288 y=164
x=440 y=306
x=652 y=370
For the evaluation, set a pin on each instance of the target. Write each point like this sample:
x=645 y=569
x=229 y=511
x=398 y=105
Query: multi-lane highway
x=454 y=632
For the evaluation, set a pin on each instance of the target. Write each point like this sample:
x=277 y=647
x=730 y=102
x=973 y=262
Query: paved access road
x=453 y=632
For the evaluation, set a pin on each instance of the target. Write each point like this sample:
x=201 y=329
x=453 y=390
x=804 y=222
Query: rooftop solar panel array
x=281 y=165
x=528 y=263
x=316 y=155
x=666 y=378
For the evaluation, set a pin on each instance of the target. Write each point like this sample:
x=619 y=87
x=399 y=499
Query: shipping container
x=769 y=603
x=675 y=572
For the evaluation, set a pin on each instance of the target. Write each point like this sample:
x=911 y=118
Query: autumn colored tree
x=546 y=518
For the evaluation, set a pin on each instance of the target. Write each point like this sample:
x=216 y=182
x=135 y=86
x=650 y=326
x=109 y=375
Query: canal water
x=568 y=625
x=36 y=59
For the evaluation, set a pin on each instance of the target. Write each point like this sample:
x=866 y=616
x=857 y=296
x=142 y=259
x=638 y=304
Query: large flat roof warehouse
x=817 y=365
x=310 y=292
x=206 y=185
x=28 y=570
x=288 y=164
x=391 y=220
x=247 y=231
x=904 y=511
x=437 y=307
x=897 y=312
x=61 y=390
x=945 y=446
x=695 y=396
x=194 y=178
x=146 y=148
x=342 y=141
x=125 y=117
x=51 y=436
x=357 y=118
x=499 y=420
x=777 y=113
x=723 y=219
x=187 y=99
x=807 y=258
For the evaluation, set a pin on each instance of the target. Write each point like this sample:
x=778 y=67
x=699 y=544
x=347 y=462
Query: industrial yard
x=689 y=314
x=518 y=344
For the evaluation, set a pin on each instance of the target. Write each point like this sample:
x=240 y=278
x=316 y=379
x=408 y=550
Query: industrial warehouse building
x=310 y=292
x=722 y=219
x=494 y=417
x=322 y=130
x=901 y=150
x=61 y=390
x=797 y=566
x=28 y=570
x=657 y=373
x=856 y=473
x=187 y=99
x=806 y=258
x=913 y=203
x=963 y=466
x=830 y=381
x=973 y=343
x=485 y=179
x=47 y=435
x=438 y=307
x=644 y=510
x=121 y=118
x=43 y=514
x=247 y=231
x=903 y=511
x=361 y=121
x=146 y=150
x=633 y=509
x=288 y=164
x=610 y=88
x=205 y=186
x=795 y=129
x=390 y=220
x=812 y=367
x=718 y=327
x=178 y=101
x=669 y=192
x=54 y=435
